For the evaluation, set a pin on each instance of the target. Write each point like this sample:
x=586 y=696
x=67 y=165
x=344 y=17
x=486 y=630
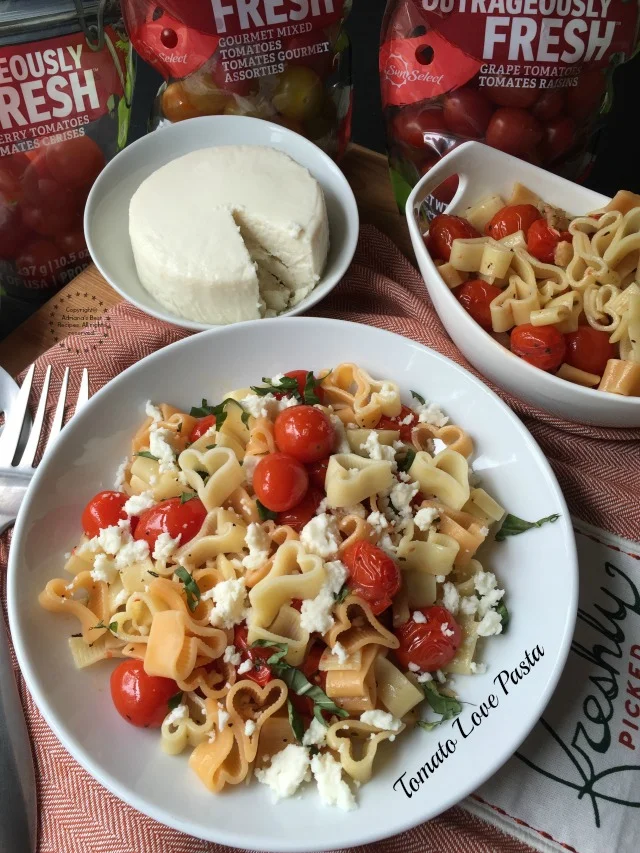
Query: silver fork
x=14 y=479
x=18 y=800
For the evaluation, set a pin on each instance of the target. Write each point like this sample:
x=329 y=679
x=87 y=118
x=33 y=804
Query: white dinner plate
x=8 y=392
x=538 y=570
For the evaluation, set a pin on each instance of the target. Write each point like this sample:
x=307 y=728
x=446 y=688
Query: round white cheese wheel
x=225 y=234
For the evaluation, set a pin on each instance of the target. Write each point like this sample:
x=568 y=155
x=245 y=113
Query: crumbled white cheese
x=441 y=676
x=109 y=539
x=354 y=509
x=381 y=720
x=377 y=521
x=407 y=420
x=403 y=476
x=121 y=598
x=341 y=445
x=138 y=503
x=469 y=605
x=229 y=603
x=320 y=536
x=231 y=656
x=245 y=667
x=267 y=406
x=419 y=617
x=287 y=771
x=133 y=551
x=121 y=474
x=424 y=677
x=175 y=716
x=103 y=569
x=165 y=546
x=152 y=411
x=277 y=379
x=223 y=717
x=162 y=450
x=332 y=788
x=212 y=736
x=401 y=496
x=386 y=543
x=315 y=735
x=484 y=531
x=429 y=413
x=440 y=578
x=340 y=652
x=249 y=728
x=477 y=668
x=322 y=507
x=425 y=517
x=249 y=466
x=489 y=601
x=413 y=667
x=377 y=451
x=446 y=630
x=490 y=624
x=451 y=598
x=258 y=543
x=315 y=613
x=484 y=582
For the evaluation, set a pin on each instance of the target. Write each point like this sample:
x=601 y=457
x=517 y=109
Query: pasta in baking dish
x=561 y=292
x=290 y=577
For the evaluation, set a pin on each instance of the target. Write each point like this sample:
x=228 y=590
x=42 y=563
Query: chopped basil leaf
x=430 y=726
x=174 y=701
x=513 y=526
x=264 y=513
x=147 y=455
x=295 y=720
x=504 y=614
x=418 y=397
x=155 y=574
x=310 y=395
x=211 y=446
x=287 y=385
x=281 y=652
x=187 y=496
x=446 y=706
x=191 y=588
x=407 y=460
x=339 y=597
x=219 y=411
x=113 y=627
x=99 y=625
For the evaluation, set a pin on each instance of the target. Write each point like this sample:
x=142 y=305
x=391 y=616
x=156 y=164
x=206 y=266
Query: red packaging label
x=233 y=17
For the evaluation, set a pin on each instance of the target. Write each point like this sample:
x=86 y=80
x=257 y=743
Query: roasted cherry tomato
x=559 y=136
x=549 y=105
x=541 y=346
x=298 y=94
x=467 y=112
x=506 y=97
x=261 y=672
x=444 y=229
x=589 y=349
x=411 y=123
x=280 y=481
x=373 y=575
x=515 y=131
x=172 y=517
x=398 y=423
x=305 y=433
x=428 y=644
x=140 y=698
x=476 y=296
x=318 y=473
x=202 y=425
x=542 y=240
x=302 y=512
x=75 y=162
x=103 y=510
x=512 y=218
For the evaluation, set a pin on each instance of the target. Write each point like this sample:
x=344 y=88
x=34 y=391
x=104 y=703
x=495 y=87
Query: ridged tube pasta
x=514 y=305
x=222 y=532
x=248 y=701
x=481 y=254
x=481 y=214
x=172 y=653
x=220 y=762
x=354 y=636
x=351 y=478
x=445 y=475
x=285 y=628
x=224 y=470
x=395 y=691
x=355 y=689
x=341 y=737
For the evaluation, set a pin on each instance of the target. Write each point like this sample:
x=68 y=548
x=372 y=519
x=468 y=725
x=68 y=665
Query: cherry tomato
x=302 y=512
x=72 y=242
x=202 y=425
x=589 y=349
x=318 y=473
x=299 y=93
x=559 y=136
x=205 y=94
x=36 y=261
x=305 y=433
x=476 y=296
x=541 y=346
x=511 y=97
x=373 y=575
x=50 y=219
x=103 y=510
x=411 y=123
x=172 y=517
x=280 y=481
x=75 y=162
x=13 y=231
x=140 y=698
x=10 y=187
x=425 y=644
x=467 y=112
x=584 y=100
x=512 y=218
x=176 y=104
x=549 y=105
x=397 y=423
x=542 y=240
x=261 y=673
x=515 y=131
x=301 y=378
x=444 y=229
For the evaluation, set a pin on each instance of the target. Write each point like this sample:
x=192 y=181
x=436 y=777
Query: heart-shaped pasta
x=224 y=474
x=350 y=386
x=357 y=744
x=275 y=735
x=145 y=476
x=357 y=438
x=453 y=436
x=248 y=701
x=244 y=505
x=172 y=595
x=57 y=597
x=176 y=645
x=351 y=478
x=356 y=627
x=395 y=691
x=285 y=628
x=434 y=556
x=354 y=528
x=469 y=539
x=514 y=305
x=481 y=254
x=461 y=662
x=134 y=623
x=215 y=683
x=223 y=532
x=261 y=438
x=355 y=689
x=220 y=761
x=192 y=729
x=445 y=475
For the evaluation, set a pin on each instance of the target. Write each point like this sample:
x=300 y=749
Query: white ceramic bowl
x=538 y=569
x=106 y=217
x=484 y=171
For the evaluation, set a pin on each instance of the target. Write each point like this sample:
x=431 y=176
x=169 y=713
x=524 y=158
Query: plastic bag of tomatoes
x=65 y=91
x=530 y=77
x=288 y=61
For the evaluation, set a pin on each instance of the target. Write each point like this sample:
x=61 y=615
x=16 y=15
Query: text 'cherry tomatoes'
x=103 y=510
x=172 y=517
x=467 y=112
x=542 y=241
x=431 y=644
x=515 y=131
x=202 y=426
x=305 y=433
x=444 y=229
x=589 y=349
x=476 y=297
x=541 y=346
x=140 y=698
x=280 y=481
x=512 y=218
x=303 y=512
x=404 y=422
x=373 y=575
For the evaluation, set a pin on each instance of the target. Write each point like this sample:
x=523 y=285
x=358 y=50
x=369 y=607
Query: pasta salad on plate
x=289 y=578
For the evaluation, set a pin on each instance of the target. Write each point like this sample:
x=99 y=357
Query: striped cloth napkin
x=598 y=469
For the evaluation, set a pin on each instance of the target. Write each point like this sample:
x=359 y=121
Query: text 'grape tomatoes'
x=280 y=481
x=172 y=517
x=444 y=229
x=140 y=698
x=305 y=433
x=431 y=644
x=541 y=346
x=373 y=575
